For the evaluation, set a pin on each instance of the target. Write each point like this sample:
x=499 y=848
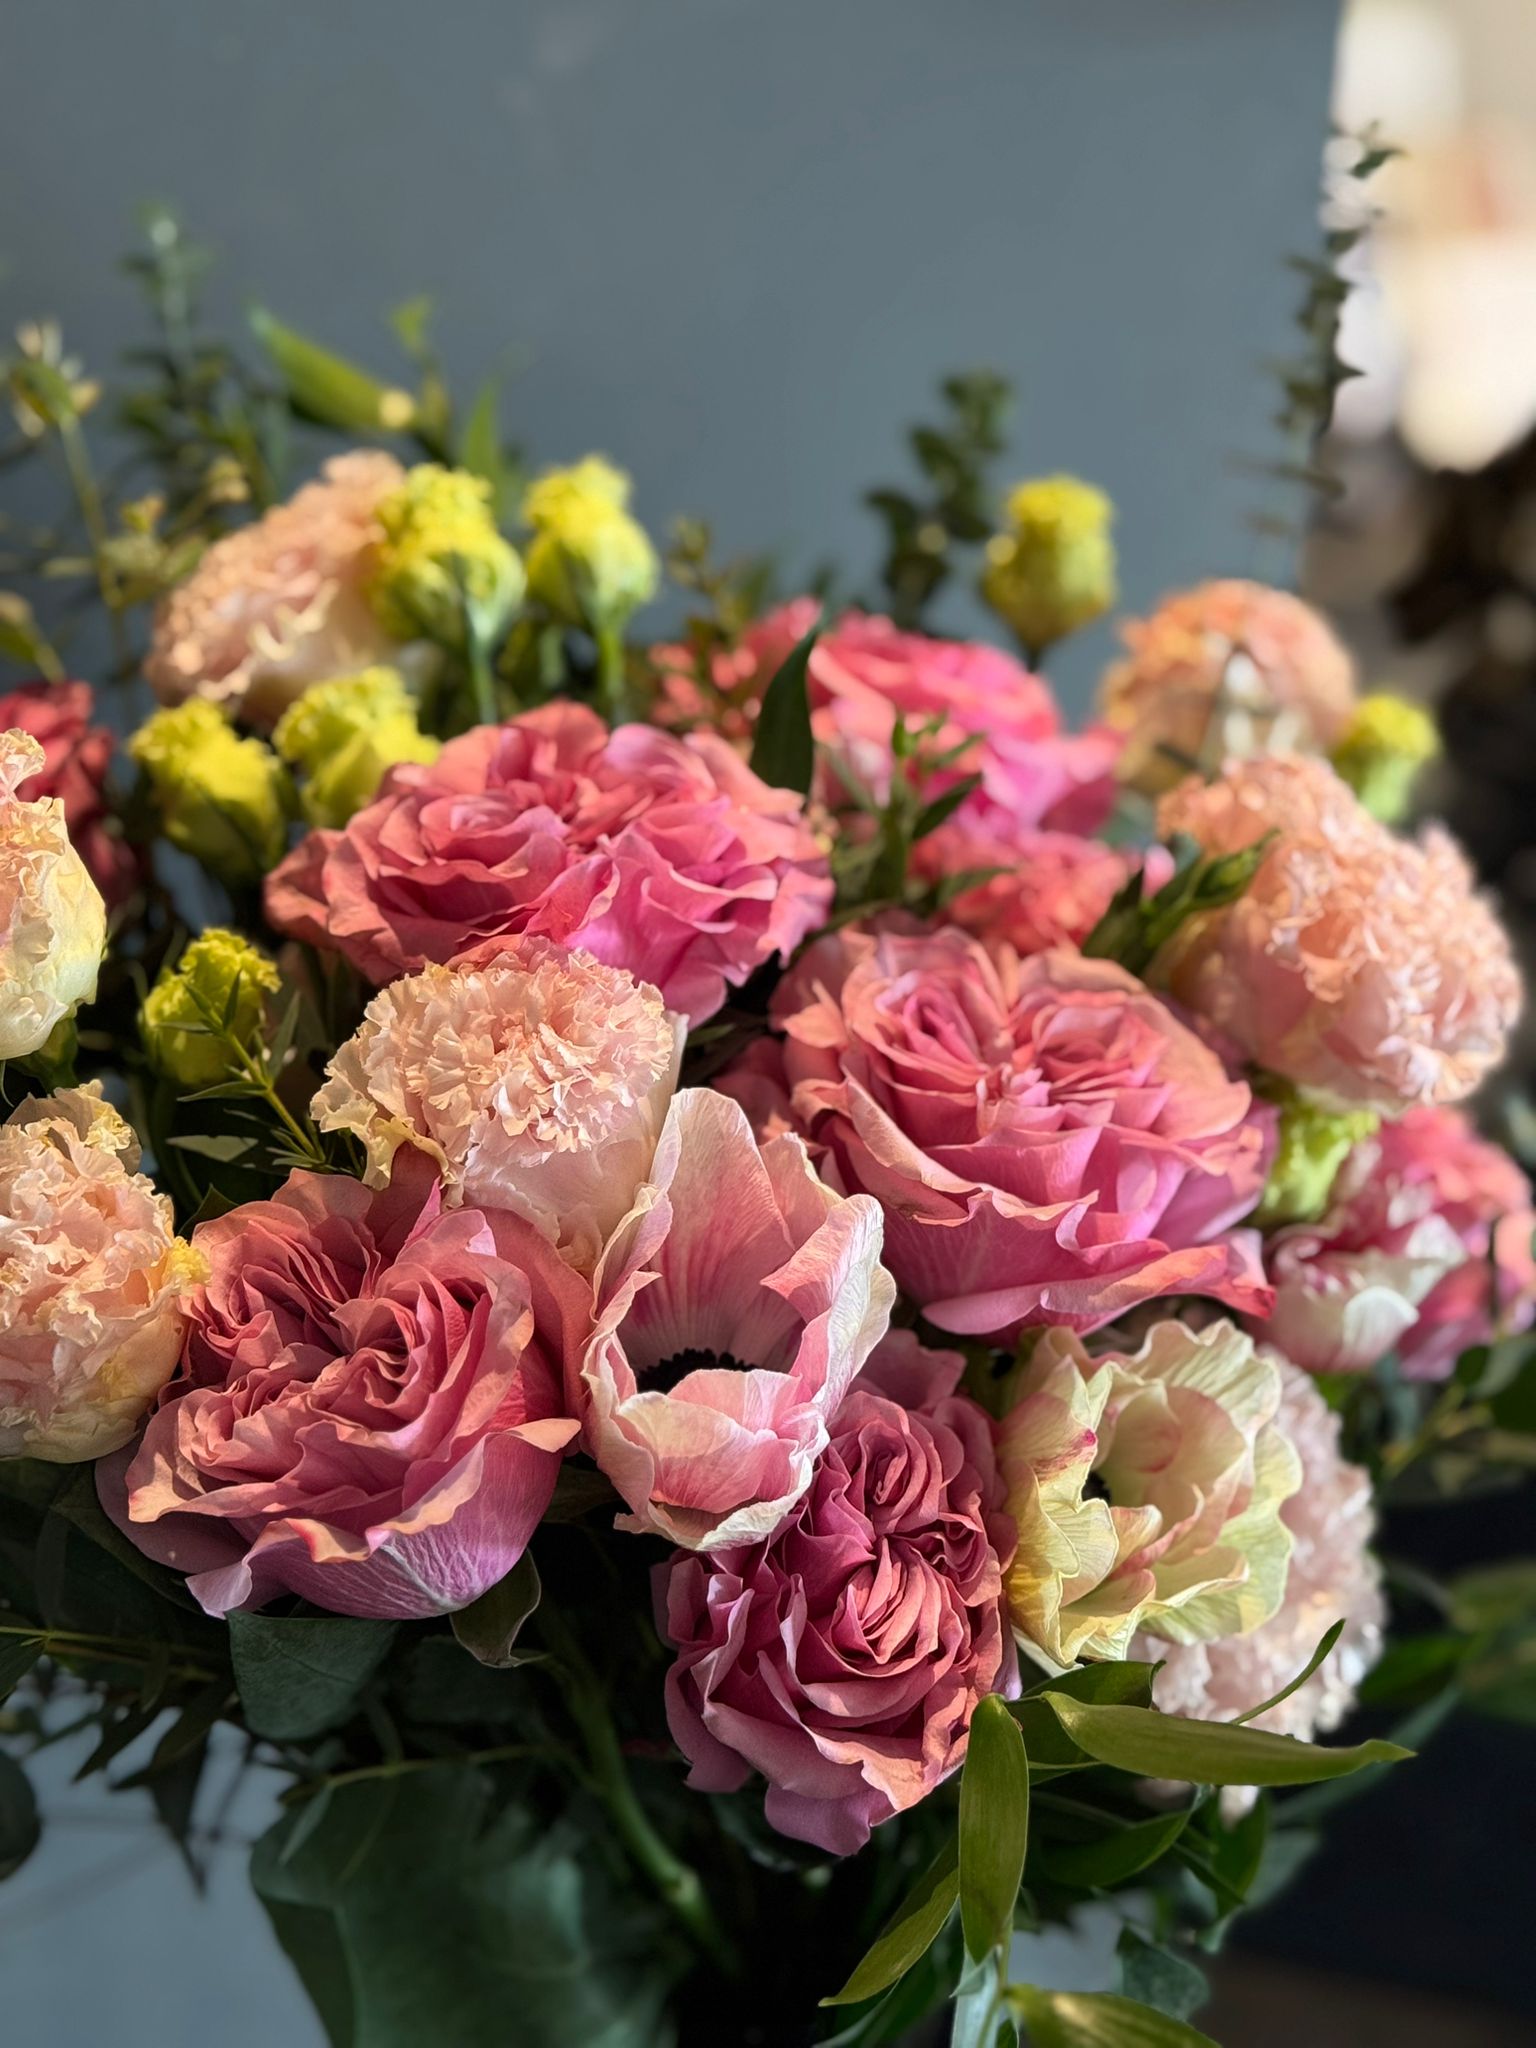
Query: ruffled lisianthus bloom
x=369 y=1411
x=1045 y=889
x=76 y=757
x=92 y=1280
x=734 y=1306
x=865 y=675
x=1332 y=1577
x=1362 y=967
x=1181 y=1533
x=1049 y=1143
x=843 y=1656
x=1425 y=1249
x=537 y=1082
x=53 y=922
x=1229 y=668
x=665 y=856
x=282 y=603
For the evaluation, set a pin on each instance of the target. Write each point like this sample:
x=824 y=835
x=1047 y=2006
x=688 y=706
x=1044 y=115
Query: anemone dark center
x=661 y=1379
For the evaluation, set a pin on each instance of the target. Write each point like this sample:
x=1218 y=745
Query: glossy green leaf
x=1049 y=1745
x=783 y=750
x=1153 y=1745
x=1115 y=1857
x=910 y=1931
x=994 y=1826
x=489 y=1627
x=1093 y=2019
x=301 y=1675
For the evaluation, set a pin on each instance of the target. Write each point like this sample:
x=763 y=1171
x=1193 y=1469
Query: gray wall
x=737 y=240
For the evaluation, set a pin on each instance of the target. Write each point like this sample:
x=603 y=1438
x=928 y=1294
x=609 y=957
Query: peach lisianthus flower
x=537 y=1079
x=92 y=1280
x=1229 y=668
x=53 y=922
x=1362 y=967
x=1185 y=1538
x=282 y=603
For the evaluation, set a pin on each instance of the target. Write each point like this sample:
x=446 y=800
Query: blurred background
x=735 y=245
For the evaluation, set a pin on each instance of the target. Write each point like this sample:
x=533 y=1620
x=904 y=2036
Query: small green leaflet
x=1153 y=1745
x=910 y=1932
x=1093 y=2019
x=783 y=751
x=994 y=1826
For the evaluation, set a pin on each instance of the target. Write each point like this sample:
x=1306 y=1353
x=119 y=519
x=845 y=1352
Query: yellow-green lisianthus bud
x=211 y=1002
x=590 y=560
x=1312 y=1145
x=442 y=568
x=1388 y=741
x=223 y=799
x=343 y=736
x=1053 y=569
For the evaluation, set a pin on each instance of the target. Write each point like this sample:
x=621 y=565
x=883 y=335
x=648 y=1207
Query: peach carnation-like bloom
x=537 y=1081
x=53 y=922
x=1332 y=1577
x=665 y=856
x=1048 y=888
x=92 y=1280
x=1229 y=668
x=282 y=603
x=1360 y=966
x=735 y=1304
x=1183 y=1536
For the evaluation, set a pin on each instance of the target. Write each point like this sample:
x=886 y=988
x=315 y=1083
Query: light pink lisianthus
x=370 y=1409
x=1362 y=967
x=538 y=1083
x=76 y=757
x=735 y=1304
x=1229 y=668
x=93 y=1280
x=1332 y=1577
x=1048 y=888
x=664 y=856
x=1049 y=1143
x=280 y=604
x=843 y=1657
x=1425 y=1250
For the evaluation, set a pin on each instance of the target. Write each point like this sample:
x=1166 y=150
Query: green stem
x=60 y=1643
x=612 y=683
x=481 y=677
x=82 y=477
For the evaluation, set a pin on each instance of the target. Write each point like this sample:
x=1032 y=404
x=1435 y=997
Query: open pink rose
x=370 y=1409
x=76 y=757
x=735 y=1304
x=668 y=857
x=1049 y=1143
x=843 y=1657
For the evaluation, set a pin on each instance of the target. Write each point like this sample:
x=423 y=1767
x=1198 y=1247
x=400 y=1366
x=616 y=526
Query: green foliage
x=489 y=1627
x=923 y=531
x=994 y=1827
x=19 y=1824
x=1153 y=1745
x=1136 y=927
x=911 y=1930
x=300 y=1675
x=1083 y=2019
x=783 y=750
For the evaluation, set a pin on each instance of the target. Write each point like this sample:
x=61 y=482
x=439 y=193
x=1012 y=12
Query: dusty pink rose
x=1332 y=1577
x=1425 y=1250
x=1360 y=966
x=76 y=757
x=667 y=857
x=842 y=1658
x=735 y=1304
x=280 y=604
x=1050 y=888
x=369 y=1411
x=1049 y=1143
x=1229 y=668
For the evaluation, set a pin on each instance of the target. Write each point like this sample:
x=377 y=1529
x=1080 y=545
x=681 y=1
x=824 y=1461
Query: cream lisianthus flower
x=1184 y=1537
x=53 y=923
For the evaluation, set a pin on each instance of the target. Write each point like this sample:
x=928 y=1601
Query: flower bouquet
x=741 y=1306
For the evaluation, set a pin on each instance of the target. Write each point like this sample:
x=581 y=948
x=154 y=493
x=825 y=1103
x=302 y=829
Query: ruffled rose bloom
x=1048 y=1142
x=538 y=1083
x=735 y=1304
x=282 y=603
x=1332 y=1577
x=1230 y=668
x=53 y=922
x=865 y=674
x=665 y=856
x=369 y=1411
x=92 y=1280
x=1184 y=1536
x=1047 y=889
x=1360 y=966
x=842 y=1658
x=76 y=756
x=1425 y=1250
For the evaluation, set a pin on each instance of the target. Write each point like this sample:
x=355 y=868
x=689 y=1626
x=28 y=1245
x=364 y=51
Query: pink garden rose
x=735 y=1304
x=369 y=1411
x=668 y=857
x=76 y=756
x=1360 y=966
x=1049 y=1143
x=1050 y=888
x=842 y=1658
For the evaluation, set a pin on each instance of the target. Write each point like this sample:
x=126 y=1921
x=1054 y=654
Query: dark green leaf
x=933 y=814
x=1088 y=2019
x=783 y=750
x=17 y=1656
x=1412 y=1663
x=489 y=1627
x=19 y=1825
x=1153 y=1745
x=310 y=1937
x=1495 y=1595
x=300 y=1676
x=1049 y=1745
x=1153 y=1975
x=1118 y=1856
x=994 y=1826
x=1323 y=1649
x=911 y=1930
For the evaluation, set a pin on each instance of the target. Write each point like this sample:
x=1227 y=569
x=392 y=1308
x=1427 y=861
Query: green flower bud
x=223 y=799
x=590 y=561
x=1388 y=741
x=1313 y=1144
x=442 y=566
x=1053 y=570
x=344 y=735
x=212 y=1001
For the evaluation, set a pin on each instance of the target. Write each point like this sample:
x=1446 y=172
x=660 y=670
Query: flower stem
x=612 y=684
